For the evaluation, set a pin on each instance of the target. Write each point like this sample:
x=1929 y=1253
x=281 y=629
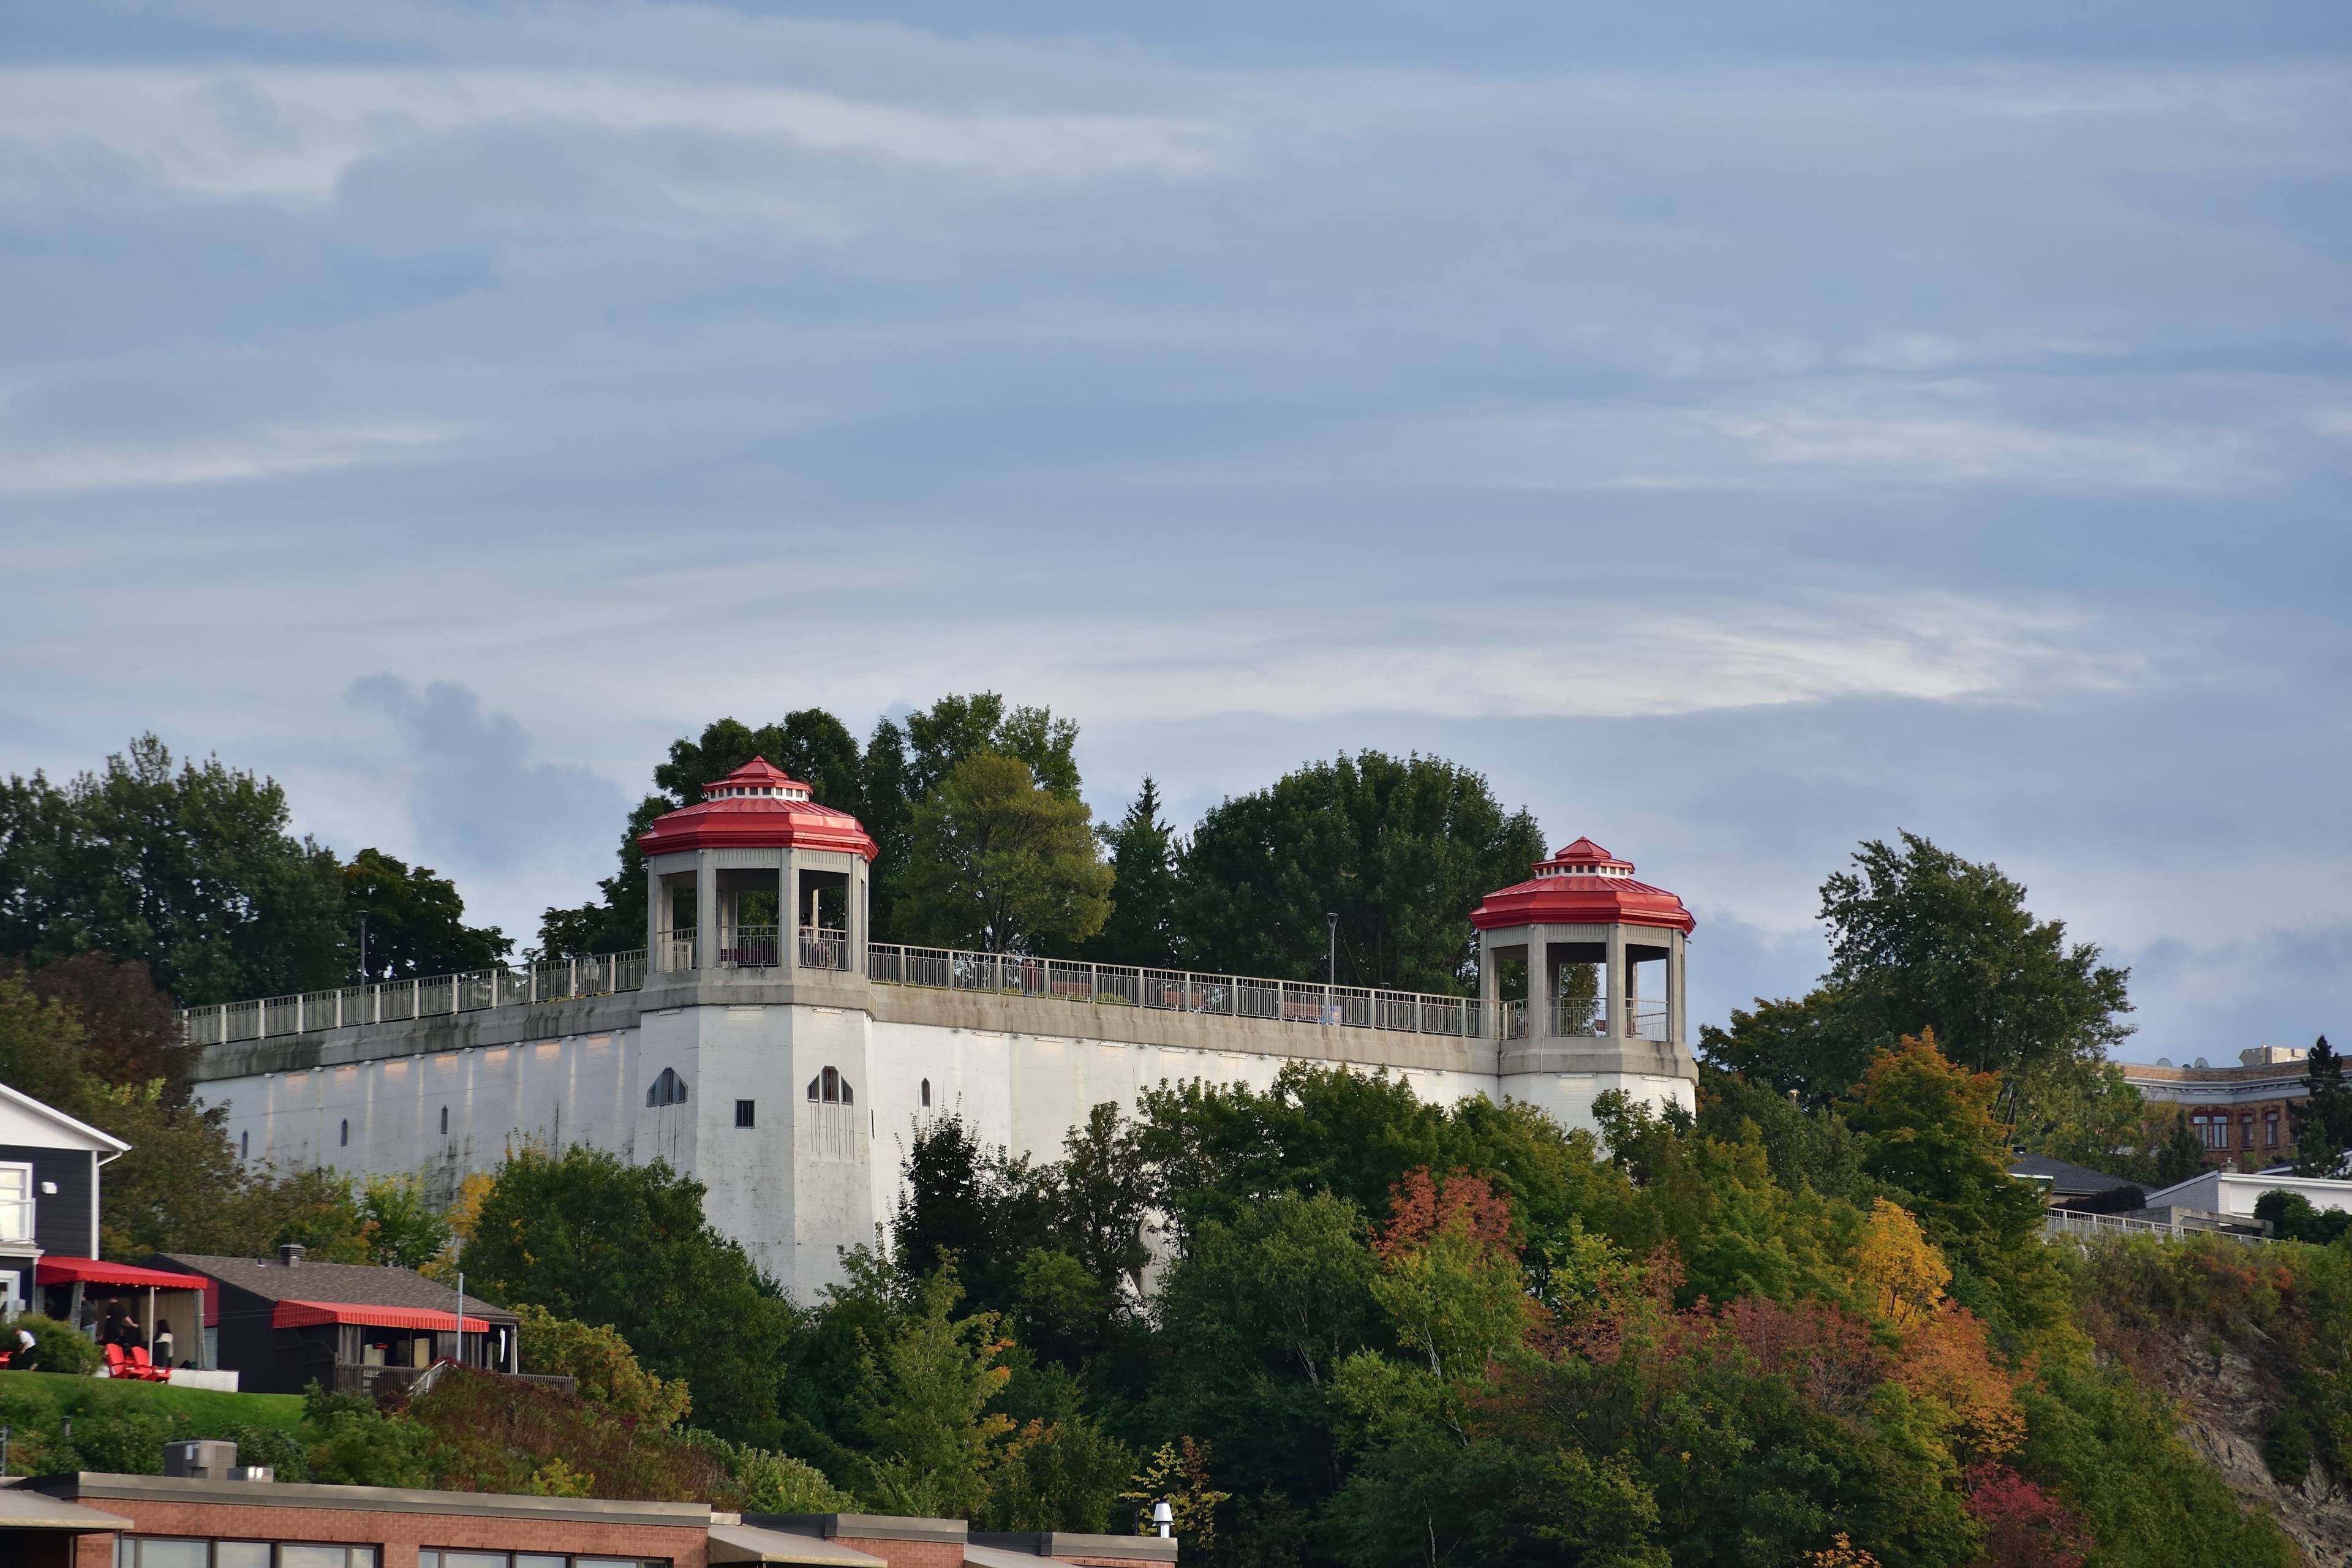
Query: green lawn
x=203 y=1406
x=120 y=1424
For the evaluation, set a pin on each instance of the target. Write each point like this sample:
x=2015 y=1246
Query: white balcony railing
x=1173 y=990
x=1110 y=984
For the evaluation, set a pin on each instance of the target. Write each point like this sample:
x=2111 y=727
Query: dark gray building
x=286 y=1322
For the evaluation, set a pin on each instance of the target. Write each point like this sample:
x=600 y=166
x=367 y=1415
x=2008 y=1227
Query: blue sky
x=1737 y=429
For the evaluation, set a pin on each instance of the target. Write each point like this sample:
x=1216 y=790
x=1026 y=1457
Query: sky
x=1737 y=429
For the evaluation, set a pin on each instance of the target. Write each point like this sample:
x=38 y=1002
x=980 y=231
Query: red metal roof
x=96 y=1271
x=302 y=1314
x=1582 y=885
x=730 y=819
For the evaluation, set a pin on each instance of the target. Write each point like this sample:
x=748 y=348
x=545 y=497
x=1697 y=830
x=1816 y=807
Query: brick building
x=2240 y=1114
x=223 y=1519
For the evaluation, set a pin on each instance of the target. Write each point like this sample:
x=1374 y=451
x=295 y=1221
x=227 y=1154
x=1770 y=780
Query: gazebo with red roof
x=726 y=878
x=1585 y=934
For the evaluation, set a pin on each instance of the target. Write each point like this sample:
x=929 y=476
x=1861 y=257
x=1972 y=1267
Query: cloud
x=475 y=799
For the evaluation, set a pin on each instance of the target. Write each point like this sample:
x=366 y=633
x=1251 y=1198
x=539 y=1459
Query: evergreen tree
x=2323 y=1121
x=1142 y=925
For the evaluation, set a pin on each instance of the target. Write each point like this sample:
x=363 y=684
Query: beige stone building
x=2238 y=1113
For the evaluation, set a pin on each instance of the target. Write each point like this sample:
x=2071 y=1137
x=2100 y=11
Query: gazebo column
x=706 y=911
x=1617 y=984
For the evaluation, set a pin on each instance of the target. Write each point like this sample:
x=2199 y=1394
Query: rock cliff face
x=2228 y=1400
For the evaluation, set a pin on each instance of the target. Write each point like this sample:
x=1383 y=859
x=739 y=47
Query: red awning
x=92 y=1272
x=302 y=1314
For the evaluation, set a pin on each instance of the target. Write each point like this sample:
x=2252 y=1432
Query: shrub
x=59 y=1347
x=2286 y=1449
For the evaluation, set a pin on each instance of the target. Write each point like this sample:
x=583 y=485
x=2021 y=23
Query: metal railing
x=1172 y=990
x=946 y=969
x=824 y=949
x=396 y=1000
x=1576 y=1016
x=2067 y=1222
x=750 y=947
x=1515 y=1020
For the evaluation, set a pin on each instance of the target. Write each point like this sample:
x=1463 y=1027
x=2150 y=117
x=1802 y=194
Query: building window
x=831 y=1088
x=2212 y=1132
x=667 y=1089
x=445 y=1121
x=346 y=1138
x=160 y=1552
x=441 y=1557
x=245 y=1145
x=2246 y=1126
x=2270 y=1130
x=927 y=1094
x=747 y=1113
x=17 y=1203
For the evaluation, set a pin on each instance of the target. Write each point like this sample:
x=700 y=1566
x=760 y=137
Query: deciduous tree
x=1001 y=862
x=189 y=870
x=1400 y=849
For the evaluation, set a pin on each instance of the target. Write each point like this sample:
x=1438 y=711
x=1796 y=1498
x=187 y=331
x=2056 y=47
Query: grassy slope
x=54 y=1394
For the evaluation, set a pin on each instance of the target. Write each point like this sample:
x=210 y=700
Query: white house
x=2235 y=1193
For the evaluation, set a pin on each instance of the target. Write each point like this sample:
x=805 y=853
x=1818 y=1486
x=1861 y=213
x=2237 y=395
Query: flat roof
x=77 y=1485
x=861 y=1526
x=749 y=1543
x=21 y=1508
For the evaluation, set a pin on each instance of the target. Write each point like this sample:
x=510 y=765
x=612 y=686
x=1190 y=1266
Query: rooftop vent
x=290 y=1252
x=200 y=1459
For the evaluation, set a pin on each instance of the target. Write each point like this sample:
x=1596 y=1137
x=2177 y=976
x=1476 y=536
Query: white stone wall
x=806 y=1180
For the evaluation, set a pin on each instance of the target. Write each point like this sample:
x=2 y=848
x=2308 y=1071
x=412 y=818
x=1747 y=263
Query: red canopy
x=302 y=1314
x=92 y=1272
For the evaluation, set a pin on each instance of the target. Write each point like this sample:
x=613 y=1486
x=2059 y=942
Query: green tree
x=1001 y=862
x=603 y=1368
x=1143 y=924
x=1400 y=849
x=192 y=872
x=414 y=921
x=1930 y=1132
x=2323 y=1118
x=922 y=1403
x=403 y=1229
x=2180 y=1155
x=1921 y=939
x=955 y=730
x=1256 y=1317
x=589 y=1239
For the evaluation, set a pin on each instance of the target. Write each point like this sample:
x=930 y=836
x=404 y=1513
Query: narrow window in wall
x=927 y=1094
x=2246 y=1126
x=746 y=1113
x=2270 y=1130
x=445 y=1121
x=346 y=1135
x=245 y=1145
